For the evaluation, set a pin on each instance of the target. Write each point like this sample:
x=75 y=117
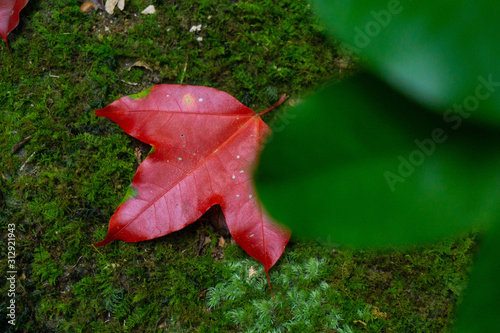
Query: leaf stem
x=267 y=272
x=282 y=99
x=8 y=48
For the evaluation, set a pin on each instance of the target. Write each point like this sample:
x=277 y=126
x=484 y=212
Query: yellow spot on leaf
x=188 y=99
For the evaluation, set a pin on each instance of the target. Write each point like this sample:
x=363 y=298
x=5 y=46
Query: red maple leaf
x=205 y=147
x=9 y=16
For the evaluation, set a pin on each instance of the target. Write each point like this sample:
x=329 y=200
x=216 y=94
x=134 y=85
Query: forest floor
x=61 y=186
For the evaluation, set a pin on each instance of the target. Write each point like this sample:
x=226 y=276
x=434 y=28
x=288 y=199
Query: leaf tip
x=99 y=113
x=110 y=236
x=103 y=242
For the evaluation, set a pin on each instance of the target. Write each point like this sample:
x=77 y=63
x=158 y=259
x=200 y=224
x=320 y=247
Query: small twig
x=76 y=262
x=130 y=83
x=21 y=143
x=26 y=162
x=202 y=243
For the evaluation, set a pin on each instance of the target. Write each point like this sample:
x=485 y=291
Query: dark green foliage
x=358 y=151
x=64 y=65
x=407 y=164
x=410 y=46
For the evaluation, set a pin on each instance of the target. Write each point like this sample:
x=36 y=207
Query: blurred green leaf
x=479 y=311
x=359 y=163
x=439 y=52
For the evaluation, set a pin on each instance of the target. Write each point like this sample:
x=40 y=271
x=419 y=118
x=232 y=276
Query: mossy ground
x=62 y=186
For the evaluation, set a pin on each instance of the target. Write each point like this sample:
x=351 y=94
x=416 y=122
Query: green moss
x=142 y=94
x=63 y=185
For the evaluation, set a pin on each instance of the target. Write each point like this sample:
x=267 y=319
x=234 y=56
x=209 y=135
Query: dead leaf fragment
x=222 y=241
x=149 y=10
x=195 y=28
x=138 y=155
x=87 y=7
x=140 y=64
x=251 y=272
x=130 y=83
x=111 y=4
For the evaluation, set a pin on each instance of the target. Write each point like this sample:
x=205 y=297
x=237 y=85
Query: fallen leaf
x=149 y=10
x=205 y=147
x=9 y=16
